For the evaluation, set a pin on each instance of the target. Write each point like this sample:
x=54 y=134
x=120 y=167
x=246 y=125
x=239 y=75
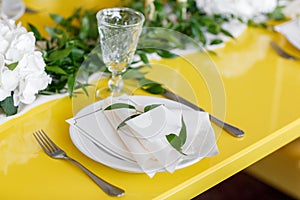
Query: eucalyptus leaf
x=71 y=84
x=150 y=107
x=72 y=38
x=83 y=87
x=53 y=31
x=277 y=14
x=178 y=141
x=175 y=142
x=154 y=89
x=146 y=82
x=77 y=54
x=214 y=28
x=144 y=58
x=35 y=31
x=12 y=66
x=119 y=105
x=133 y=74
x=123 y=123
x=88 y=26
x=227 y=33
x=8 y=106
x=166 y=54
x=56 y=70
x=59 y=54
x=58 y=19
x=182 y=134
x=216 y=41
x=151 y=86
x=197 y=32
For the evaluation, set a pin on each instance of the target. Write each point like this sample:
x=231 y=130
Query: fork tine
x=41 y=142
x=45 y=142
x=48 y=140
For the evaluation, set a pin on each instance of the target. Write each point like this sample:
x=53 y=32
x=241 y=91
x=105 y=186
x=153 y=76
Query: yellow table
x=262 y=98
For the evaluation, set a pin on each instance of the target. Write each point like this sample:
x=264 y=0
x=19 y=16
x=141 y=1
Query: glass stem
x=116 y=83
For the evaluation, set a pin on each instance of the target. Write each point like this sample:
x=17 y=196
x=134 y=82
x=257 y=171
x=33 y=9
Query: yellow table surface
x=262 y=98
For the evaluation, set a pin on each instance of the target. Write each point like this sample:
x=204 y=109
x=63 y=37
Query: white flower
x=3 y=92
x=292 y=9
x=29 y=87
x=20 y=45
x=28 y=76
x=242 y=8
x=31 y=63
x=32 y=77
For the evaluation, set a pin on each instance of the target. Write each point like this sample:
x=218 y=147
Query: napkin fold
x=143 y=138
x=291 y=30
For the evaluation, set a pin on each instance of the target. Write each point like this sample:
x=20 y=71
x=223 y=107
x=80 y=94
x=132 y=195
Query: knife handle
x=236 y=132
x=227 y=127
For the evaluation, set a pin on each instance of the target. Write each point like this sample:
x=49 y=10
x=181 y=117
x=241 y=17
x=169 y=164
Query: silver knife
x=236 y=132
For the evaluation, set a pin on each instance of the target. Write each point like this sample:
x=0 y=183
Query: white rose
x=241 y=8
x=8 y=29
x=8 y=80
x=20 y=45
x=31 y=63
x=15 y=41
x=292 y=9
x=29 y=76
x=3 y=93
x=33 y=78
x=29 y=87
x=5 y=27
x=4 y=42
x=3 y=45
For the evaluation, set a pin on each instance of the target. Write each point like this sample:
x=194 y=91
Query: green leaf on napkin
x=175 y=141
x=178 y=141
x=123 y=123
x=182 y=134
x=119 y=105
x=147 y=108
x=150 y=107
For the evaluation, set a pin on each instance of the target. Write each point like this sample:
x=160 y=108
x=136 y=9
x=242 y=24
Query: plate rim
x=77 y=140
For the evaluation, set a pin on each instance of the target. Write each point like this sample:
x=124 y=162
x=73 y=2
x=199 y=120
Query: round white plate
x=93 y=151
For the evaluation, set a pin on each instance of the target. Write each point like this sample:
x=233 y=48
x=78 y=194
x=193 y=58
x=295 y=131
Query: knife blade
x=234 y=131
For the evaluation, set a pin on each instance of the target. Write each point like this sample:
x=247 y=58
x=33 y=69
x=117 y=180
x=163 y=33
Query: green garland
x=73 y=38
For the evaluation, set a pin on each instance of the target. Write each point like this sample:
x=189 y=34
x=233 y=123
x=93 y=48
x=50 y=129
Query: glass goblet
x=119 y=31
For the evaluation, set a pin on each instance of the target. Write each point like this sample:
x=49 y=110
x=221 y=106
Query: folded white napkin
x=143 y=138
x=291 y=30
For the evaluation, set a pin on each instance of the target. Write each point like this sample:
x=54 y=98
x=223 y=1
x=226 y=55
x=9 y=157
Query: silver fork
x=52 y=150
x=282 y=52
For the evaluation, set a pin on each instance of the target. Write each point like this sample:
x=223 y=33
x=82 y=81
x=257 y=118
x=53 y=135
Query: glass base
x=103 y=93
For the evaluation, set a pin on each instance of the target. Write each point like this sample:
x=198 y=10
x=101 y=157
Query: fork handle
x=105 y=186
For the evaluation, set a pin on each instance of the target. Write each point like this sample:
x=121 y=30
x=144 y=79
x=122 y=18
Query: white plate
x=103 y=155
x=291 y=30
